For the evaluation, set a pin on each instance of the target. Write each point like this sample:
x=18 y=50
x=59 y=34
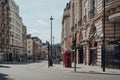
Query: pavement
x=81 y=68
x=40 y=71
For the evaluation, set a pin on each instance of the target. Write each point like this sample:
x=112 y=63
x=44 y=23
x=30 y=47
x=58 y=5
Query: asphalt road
x=40 y=71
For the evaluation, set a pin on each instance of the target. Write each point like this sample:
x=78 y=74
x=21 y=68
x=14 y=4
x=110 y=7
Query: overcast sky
x=36 y=16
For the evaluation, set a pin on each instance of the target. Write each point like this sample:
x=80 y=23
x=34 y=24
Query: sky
x=36 y=17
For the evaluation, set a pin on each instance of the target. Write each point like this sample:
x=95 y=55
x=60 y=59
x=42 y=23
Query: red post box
x=67 y=59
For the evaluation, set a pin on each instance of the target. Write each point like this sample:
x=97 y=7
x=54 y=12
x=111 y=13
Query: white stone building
x=16 y=29
x=34 y=47
x=29 y=46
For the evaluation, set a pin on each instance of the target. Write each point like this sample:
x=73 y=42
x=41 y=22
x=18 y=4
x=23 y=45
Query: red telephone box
x=67 y=58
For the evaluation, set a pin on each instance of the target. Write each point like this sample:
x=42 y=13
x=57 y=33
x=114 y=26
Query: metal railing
x=80 y=22
x=112 y=56
x=91 y=13
x=110 y=1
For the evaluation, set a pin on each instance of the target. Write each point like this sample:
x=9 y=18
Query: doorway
x=80 y=51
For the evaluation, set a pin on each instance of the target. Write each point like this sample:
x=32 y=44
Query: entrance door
x=92 y=57
x=81 y=54
x=93 y=53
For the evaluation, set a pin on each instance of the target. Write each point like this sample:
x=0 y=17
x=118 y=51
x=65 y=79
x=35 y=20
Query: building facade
x=4 y=29
x=37 y=48
x=34 y=47
x=29 y=46
x=44 y=51
x=24 y=42
x=16 y=30
x=66 y=30
x=87 y=28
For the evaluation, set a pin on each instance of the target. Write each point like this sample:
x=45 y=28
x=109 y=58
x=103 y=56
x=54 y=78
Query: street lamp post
x=103 y=53
x=74 y=48
x=53 y=47
x=51 y=62
x=75 y=52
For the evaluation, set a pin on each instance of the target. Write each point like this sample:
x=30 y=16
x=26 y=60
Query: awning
x=115 y=17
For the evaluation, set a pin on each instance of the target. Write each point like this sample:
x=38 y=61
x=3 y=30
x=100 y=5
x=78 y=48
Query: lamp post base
x=50 y=62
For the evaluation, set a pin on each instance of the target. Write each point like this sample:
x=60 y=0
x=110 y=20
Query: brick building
x=85 y=22
x=4 y=28
x=15 y=31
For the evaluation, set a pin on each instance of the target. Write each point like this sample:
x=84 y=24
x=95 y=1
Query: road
x=40 y=71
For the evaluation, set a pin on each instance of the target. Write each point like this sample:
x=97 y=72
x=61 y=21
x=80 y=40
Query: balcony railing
x=91 y=13
x=110 y=1
x=80 y=22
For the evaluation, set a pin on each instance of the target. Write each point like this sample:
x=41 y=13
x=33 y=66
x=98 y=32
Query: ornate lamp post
x=103 y=53
x=74 y=47
x=51 y=61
